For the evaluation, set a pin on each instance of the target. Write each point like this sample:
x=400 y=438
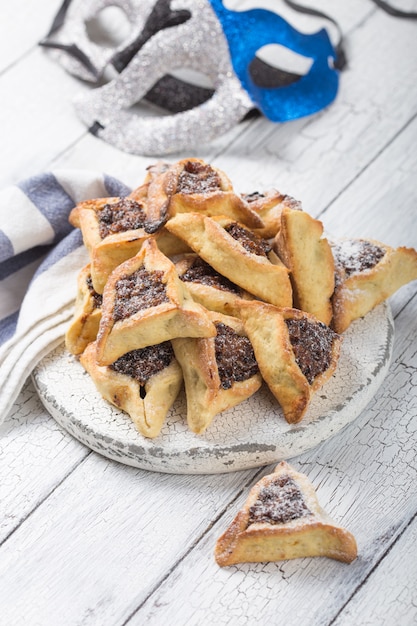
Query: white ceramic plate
x=251 y=434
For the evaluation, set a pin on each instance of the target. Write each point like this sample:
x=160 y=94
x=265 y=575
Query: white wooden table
x=84 y=540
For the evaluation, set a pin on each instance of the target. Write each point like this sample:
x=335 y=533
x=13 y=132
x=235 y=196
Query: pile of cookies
x=191 y=282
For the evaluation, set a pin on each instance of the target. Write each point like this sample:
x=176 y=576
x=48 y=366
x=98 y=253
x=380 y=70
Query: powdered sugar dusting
x=352 y=256
x=279 y=502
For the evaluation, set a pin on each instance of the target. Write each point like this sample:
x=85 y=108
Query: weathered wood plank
x=389 y=594
x=22 y=25
x=364 y=478
x=103 y=541
x=35 y=455
x=39 y=122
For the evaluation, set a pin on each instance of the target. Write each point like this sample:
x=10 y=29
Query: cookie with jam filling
x=191 y=185
x=236 y=253
x=282 y=519
x=219 y=372
x=269 y=206
x=367 y=272
x=308 y=256
x=145 y=303
x=85 y=322
x=144 y=383
x=296 y=353
x=208 y=287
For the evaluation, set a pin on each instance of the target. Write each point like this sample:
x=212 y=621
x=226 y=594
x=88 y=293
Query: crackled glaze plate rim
x=251 y=434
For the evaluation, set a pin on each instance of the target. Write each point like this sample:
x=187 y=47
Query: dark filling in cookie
x=253 y=197
x=144 y=363
x=121 y=216
x=234 y=356
x=312 y=344
x=138 y=291
x=97 y=298
x=278 y=503
x=202 y=272
x=251 y=242
x=353 y=256
x=198 y=178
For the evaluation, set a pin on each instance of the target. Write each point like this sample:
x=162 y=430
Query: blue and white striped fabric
x=40 y=258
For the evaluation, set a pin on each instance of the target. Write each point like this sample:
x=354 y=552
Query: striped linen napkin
x=40 y=258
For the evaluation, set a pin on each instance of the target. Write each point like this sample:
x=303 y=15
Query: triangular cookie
x=144 y=304
x=143 y=383
x=282 y=519
x=269 y=206
x=219 y=372
x=236 y=253
x=308 y=256
x=85 y=322
x=367 y=273
x=113 y=231
x=296 y=353
x=208 y=287
x=191 y=185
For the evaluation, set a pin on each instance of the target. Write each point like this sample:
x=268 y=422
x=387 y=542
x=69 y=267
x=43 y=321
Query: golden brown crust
x=308 y=256
x=177 y=316
x=206 y=397
x=268 y=331
x=108 y=252
x=147 y=404
x=269 y=206
x=214 y=198
x=265 y=277
x=357 y=293
x=85 y=322
x=225 y=298
x=311 y=534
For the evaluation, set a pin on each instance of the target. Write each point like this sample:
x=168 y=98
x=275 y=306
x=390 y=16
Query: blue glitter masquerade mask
x=189 y=34
x=248 y=31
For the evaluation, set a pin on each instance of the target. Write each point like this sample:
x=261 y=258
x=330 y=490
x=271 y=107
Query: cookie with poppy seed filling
x=144 y=383
x=236 y=253
x=191 y=185
x=308 y=255
x=367 y=272
x=269 y=206
x=282 y=519
x=145 y=303
x=208 y=287
x=295 y=351
x=85 y=322
x=113 y=231
x=219 y=372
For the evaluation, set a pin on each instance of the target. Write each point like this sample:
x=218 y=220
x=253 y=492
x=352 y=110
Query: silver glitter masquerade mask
x=197 y=35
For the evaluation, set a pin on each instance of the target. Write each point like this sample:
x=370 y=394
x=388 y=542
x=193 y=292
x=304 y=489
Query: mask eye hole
x=277 y=66
x=109 y=28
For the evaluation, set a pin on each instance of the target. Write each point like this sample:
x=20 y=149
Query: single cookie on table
x=144 y=383
x=269 y=206
x=236 y=253
x=208 y=287
x=308 y=255
x=367 y=272
x=85 y=322
x=191 y=185
x=282 y=519
x=145 y=303
x=296 y=353
x=219 y=372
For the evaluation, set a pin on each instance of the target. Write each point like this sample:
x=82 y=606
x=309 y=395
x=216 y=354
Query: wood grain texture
x=86 y=541
x=364 y=480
